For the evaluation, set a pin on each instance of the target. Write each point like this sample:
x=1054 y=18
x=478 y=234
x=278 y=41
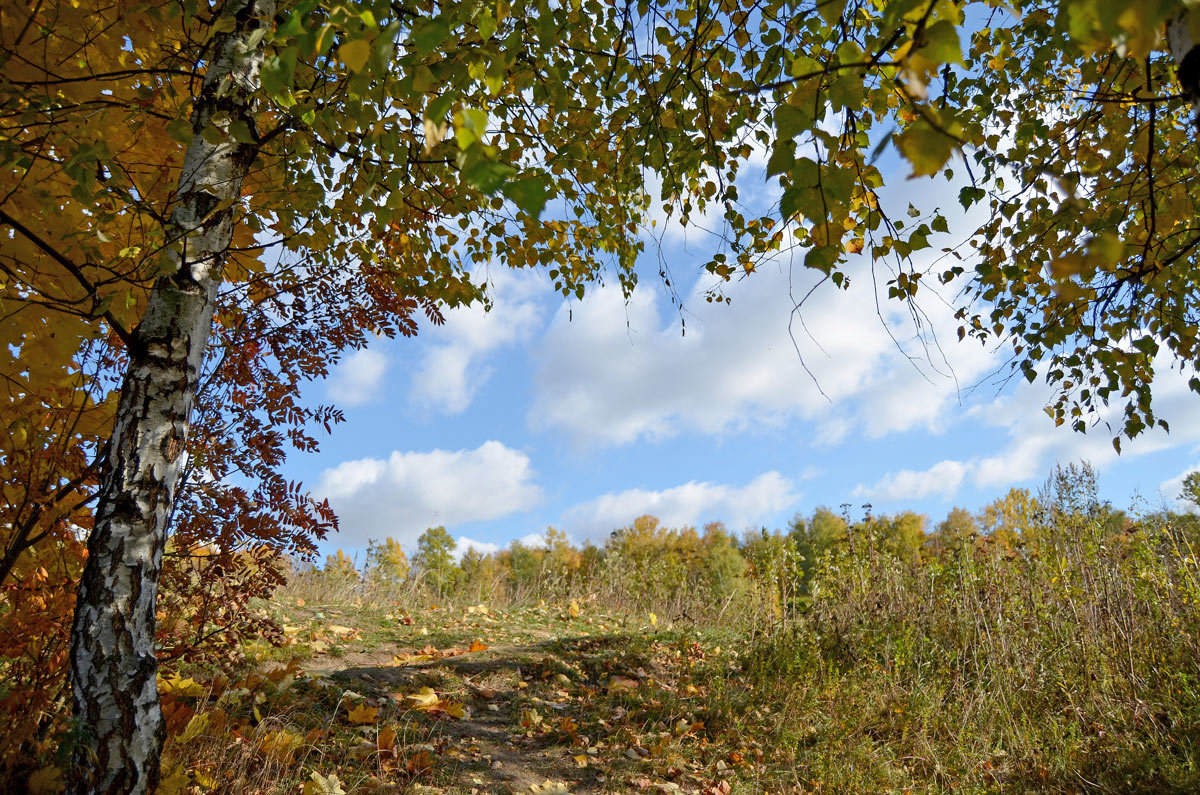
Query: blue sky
x=586 y=414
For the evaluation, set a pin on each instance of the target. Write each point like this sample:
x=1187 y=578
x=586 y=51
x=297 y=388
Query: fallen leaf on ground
x=176 y=685
x=406 y=659
x=425 y=698
x=363 y=715
x=323 y=785
x=619 y=683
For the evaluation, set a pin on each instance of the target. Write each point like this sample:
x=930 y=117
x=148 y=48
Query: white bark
x=1187 y=60
x=113 y=664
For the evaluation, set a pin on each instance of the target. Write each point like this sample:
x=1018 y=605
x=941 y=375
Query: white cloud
x=1170 y=489
x=410 y=491
x=452 y=368
x=462 y=544
x=688 y=504
x=612 y=372
x=357 y=378
x=1035 y=445
x=940 y=480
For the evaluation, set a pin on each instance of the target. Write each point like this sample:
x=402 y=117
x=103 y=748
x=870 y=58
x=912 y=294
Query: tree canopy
x=204 y=204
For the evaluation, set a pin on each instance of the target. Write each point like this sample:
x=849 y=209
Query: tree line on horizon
x=650 y=563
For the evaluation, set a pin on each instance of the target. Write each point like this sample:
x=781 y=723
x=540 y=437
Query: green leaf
x=790 y=121
x=279 y=71
x=925 y=148
x=822 y=258
x=437 y=109
x=969 y=195
x=355 y=54
x=941 y=43
x=429 y=34
x=470 y=125
x=486 y=24
x=831 y=10
x=487 y=175
x=528 y=193
x=240 y=132
x=180 y=130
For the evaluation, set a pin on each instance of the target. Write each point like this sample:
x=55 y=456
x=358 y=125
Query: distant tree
x=340 y=566
x=435 y=560
x=901 y=535
x=1190 y=492
x=956 y=530
x=1013 y=518
x=387 y=561
x=722 y=567
x=524 y=565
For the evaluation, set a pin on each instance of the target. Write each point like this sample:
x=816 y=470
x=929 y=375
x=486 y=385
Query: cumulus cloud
x=941 y=480
x=612 y=372
x=1034 y=444
x=462 y=545
x=688 y=504
x=357 y=379
x=404 y=494
x=453 y=363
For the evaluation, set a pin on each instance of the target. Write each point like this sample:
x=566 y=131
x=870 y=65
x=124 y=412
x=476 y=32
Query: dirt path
x=490 y=749
x=537 y=701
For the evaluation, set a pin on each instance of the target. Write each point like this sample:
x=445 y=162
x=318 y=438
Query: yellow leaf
x=323 y=785
x=581 y=760
x=573 y=609
x=549 y=787
x=176 y=685
x=621 y=683
x=174 y=780
x=45 y=781
x=405 y=659
x=653 y=620
x=453 y=709
x=355 y=54
x=425 y=698
x=363 y=715
x=195 y=728
x=280 y=744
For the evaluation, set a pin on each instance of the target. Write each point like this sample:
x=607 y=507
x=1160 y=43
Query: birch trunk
x=113 y=663
x=1187 y=60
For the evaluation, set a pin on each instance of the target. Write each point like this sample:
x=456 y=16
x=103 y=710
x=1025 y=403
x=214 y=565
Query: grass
x=1066 y=663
